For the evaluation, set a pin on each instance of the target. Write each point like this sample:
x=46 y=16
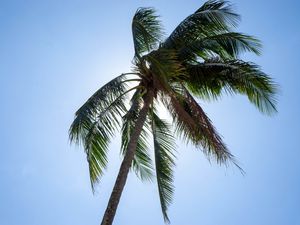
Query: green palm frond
x=212 y=18
x=219 y=13
x=146 y=30
x=226 y=45
x=164 y=148
x=96 y=122
x=209 y=79
x=236 y=43
x=142 y=163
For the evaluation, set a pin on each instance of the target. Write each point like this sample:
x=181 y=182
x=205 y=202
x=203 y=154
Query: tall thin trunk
x=126 y=163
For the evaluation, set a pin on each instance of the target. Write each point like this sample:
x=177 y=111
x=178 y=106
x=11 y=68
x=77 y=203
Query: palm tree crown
x=199 y=60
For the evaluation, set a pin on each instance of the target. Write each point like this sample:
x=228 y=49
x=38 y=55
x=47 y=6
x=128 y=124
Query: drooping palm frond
x=164 y=148
x=96 y=122
x=146 y=30
x=212 y=18
x=142 y=163
x=192 y=124
x=226 y=45
x=209 y=79
x=212 y=143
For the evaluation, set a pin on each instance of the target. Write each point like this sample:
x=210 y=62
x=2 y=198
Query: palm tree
x=199 y=60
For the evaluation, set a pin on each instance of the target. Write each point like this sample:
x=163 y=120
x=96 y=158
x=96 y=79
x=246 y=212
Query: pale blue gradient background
x=54 y=54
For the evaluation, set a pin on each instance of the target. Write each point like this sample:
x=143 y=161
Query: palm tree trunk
x=126 y=163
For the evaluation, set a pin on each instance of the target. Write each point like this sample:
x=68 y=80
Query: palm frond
x=96 y=121
x=164 y=148
x=146 y=30
x=193 y=125
x=226 y=45
x=142 y=163
x=219 y=12
x=209 y=79
x=212 y=18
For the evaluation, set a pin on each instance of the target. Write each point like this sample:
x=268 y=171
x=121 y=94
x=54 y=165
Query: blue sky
x=54 y=54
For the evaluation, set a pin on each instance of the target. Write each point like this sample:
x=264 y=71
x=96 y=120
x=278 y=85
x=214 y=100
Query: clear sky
x=55 y=53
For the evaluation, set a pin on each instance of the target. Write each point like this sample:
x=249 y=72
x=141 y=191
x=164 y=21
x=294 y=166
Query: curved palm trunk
x=126 y=163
